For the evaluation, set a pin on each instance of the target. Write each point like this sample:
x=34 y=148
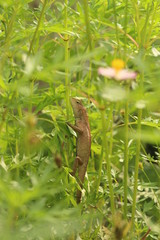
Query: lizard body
x=83 y=142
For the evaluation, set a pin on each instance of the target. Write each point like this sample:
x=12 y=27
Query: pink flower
x=117 y=71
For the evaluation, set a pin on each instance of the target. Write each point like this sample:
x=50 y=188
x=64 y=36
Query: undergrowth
x=51 y=51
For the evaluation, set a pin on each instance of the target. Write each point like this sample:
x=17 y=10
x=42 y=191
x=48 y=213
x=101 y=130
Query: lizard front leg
x=75 y=128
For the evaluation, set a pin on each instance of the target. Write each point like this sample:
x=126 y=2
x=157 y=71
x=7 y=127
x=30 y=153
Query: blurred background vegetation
x=51 y=50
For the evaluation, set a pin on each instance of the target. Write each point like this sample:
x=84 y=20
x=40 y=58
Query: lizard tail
x=79 y=195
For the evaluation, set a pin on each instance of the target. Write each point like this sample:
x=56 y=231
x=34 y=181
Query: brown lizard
x=83 y=142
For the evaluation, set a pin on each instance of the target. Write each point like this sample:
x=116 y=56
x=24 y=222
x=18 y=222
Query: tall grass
x=47 y=55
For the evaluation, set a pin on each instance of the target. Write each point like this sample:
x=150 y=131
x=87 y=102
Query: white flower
x=117 y=71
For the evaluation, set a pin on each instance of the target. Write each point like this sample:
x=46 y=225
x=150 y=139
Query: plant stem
x=138 y=146
x=106 y=153
x=126 y=155
x=19 y=109
x=67 y=81
x=8 y=34
x=115 y=21
x=99 y=172
x=37 y=28
x=126 y=119
x=86 y=14
x=152 y=24
x=31 y=95
x=125 y=29
x=136 y=165
x=138 y=21
x=3 y=119
x=109 y=126
x=88 y=36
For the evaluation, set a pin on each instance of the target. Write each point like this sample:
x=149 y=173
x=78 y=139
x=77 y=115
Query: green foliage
x=49 y=51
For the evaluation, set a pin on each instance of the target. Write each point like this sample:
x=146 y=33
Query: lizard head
x=77 y=106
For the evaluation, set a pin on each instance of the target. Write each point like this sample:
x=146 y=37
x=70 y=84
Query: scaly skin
x=83 y=144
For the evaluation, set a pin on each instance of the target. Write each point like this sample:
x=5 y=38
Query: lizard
x=83 y=142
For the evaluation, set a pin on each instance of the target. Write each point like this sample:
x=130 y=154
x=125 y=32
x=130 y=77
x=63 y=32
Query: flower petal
x=125 y=75
x=107 y=72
